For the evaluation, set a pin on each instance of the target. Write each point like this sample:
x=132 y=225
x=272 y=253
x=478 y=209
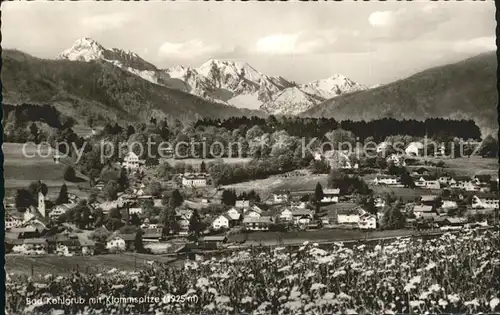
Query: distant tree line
x=436 y=128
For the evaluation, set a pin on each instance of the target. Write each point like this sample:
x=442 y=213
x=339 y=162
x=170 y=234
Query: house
x=253 y=211
x=153 y=235
x=213 y=241
x=59 y=210
x=241 y=204
x=386 y=180
x=421 y=171
x=157 y=203
x=286 y=215
x=36 y=246
x=420 y=211
x=195 y=180
x=280 y=197
x=444 y=179
x=131 y=161
x=379 y=202
x=440 y=151
x=449 y=205
x=428 y=200
x=107 y=206
x=456 y=221
x=351 y=216
x=397 y=160
x=485 y=201
x=100 y=185
x=484 y=179
x=330 y=195
x=462 y=182
x=115 y=243
x=428 y=182
x=88 y=246
x=221 y=222
x=233 y=214
x=121 y=241
x=367 y=221
x=183 y=216
x=382 y=147
x=68 y=244
x=414 y=149
x=301 y=216
x=300 y=195
x=134 y=207
x=12 y=221
x=257 y=224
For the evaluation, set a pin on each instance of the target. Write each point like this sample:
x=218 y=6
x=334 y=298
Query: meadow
x=20 y=169
x=64 y=265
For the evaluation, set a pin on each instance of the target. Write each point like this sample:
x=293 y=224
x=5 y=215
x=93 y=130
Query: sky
x=369 y=42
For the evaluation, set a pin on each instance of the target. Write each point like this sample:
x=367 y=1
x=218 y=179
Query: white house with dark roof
x=485 y=201
x=414 y=149
x=221 y=222
x=330 y=195
x=132 y=162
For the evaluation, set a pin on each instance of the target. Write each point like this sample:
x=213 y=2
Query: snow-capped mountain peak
x=332 y=86
x=84 y=49
x=87 y=49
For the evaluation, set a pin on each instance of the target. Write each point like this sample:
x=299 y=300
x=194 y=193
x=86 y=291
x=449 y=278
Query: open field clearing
x=20 y=169
x=64 y=265
x=277 y=182
x=197 y=162
x=465 y=166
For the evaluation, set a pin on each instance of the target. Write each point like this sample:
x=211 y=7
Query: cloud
x=312 y=42
x=476 y=45
x=106 y=21
x=382 y=18
x=405 y=24
x=197 y=48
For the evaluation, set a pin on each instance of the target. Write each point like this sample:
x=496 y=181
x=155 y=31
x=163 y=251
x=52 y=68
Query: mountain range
x=462 y=90
x=227 y=82
x=89 y=79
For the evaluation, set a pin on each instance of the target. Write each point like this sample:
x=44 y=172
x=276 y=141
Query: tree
x=177 y=198
x=195 y=223
x=123 y=181
x=155 y=189
x=229 y=197
x=69 y=174
x=393 y=218
x=24 y=199
x=63 y=195
x=111 y=190
x=406 y=179
x=36 y=187
x=135 y=220
x=167 y=217
x=203 y=167
x=368 y=204
x=489 y=147
x=318 y=193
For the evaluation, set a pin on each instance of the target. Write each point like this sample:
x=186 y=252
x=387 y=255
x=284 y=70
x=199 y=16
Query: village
x=453 y=202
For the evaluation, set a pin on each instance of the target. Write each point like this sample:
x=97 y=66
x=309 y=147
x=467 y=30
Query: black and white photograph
x=202 y=157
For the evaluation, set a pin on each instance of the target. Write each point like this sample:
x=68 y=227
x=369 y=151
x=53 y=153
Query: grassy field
x=466 y=166
x=62 y=265
x=197 y=162
x=20 y=169
x=266 y=186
